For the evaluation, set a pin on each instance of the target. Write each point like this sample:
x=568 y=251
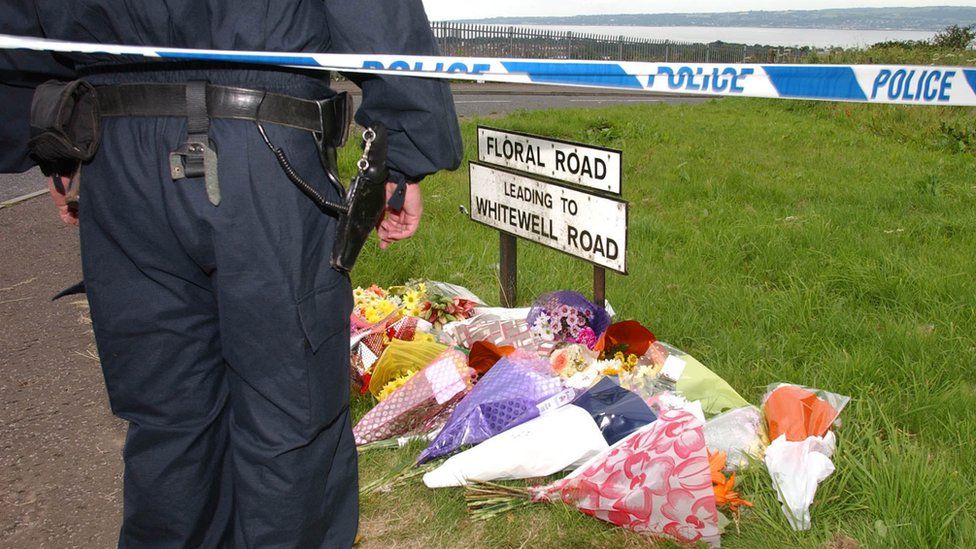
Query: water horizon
x=767 y=36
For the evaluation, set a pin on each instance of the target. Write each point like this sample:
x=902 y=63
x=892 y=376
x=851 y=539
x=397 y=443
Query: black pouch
x=64 y=122
x=336 y=116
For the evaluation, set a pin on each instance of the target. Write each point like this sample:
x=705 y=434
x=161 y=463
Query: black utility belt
x=328 y=116
x=64 y=116
x=65 y=130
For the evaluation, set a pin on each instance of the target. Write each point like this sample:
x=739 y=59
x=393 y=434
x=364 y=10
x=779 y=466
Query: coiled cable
x=304 y=186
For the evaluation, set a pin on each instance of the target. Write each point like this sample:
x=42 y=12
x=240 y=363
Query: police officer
x=222 y=331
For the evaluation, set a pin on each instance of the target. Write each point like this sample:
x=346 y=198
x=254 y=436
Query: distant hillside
x=923 y=19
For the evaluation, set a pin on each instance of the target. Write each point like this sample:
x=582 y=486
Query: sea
x=767 y=36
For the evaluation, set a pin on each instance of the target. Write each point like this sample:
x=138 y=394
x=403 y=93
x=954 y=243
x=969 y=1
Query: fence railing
x=465 y=39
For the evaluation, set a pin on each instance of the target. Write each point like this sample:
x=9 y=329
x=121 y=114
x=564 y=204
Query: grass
x=824 y=244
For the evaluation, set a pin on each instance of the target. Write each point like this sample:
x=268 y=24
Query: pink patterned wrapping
x=417 y=406
x=514 y=332
x=656 y=481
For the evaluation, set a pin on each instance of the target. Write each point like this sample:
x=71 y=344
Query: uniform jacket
x=419 y=113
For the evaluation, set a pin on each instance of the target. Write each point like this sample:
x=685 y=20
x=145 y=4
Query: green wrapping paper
x=699 y=383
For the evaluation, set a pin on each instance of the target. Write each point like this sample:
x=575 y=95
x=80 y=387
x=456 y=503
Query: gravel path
x=61 y=462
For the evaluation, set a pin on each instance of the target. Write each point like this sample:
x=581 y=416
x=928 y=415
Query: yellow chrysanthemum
x=388 y=389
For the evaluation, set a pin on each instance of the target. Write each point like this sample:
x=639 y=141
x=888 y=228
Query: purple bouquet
x=508 y=395
x=567 y=316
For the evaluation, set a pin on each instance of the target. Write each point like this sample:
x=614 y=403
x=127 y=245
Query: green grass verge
x=828 y=245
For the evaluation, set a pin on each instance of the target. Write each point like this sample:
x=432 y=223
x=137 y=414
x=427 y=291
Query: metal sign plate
x=584 y=165
x=583 y=225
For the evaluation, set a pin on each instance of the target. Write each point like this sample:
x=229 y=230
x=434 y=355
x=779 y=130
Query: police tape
x=898 y=84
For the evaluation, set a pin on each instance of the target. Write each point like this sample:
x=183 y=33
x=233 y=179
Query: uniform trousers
x=224 y=336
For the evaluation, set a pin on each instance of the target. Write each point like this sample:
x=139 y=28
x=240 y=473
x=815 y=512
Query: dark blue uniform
x=222 y=331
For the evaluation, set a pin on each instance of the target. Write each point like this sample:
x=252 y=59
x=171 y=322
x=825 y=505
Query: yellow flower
x=388 y=389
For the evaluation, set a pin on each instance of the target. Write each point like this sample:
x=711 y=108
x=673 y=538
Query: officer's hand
x=400 y=224
x=68 y=210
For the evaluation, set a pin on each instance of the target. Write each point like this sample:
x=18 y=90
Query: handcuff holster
x=365 y=200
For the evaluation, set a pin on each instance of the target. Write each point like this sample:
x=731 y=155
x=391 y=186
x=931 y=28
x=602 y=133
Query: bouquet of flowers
x=656 y=481
x=439 y=310
x=508 y=395
x=558 y=439
x=435 y=302
x=567 y=316
x=798 y=421
x=374 y=304
x=416 y=406
x=366 y=347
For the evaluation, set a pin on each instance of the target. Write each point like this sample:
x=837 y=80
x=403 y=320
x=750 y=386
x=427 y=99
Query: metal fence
x=463 y=39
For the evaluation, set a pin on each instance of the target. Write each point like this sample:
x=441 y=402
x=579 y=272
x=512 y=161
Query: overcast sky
x=438 y=10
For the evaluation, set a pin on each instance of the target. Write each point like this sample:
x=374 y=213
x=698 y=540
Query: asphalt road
x=471 y=100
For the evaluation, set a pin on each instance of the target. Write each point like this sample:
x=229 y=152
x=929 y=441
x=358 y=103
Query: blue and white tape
x=900 y=84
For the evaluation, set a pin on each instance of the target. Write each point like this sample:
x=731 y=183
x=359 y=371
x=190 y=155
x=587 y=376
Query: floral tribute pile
x=652 y=439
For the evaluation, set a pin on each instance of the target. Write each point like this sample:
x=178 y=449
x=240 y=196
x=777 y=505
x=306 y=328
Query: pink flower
x=587 y=337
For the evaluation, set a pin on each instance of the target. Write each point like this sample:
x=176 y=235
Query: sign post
x=507 y=268
x=559 y=194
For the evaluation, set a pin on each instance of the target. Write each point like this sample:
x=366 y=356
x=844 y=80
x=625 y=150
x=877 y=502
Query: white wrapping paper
x=560 y=439
x=796 y=469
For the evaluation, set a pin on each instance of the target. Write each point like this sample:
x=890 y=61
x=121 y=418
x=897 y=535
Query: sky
x=440 y=10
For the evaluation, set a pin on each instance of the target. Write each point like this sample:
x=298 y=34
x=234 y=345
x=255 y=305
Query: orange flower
x=716 y=462
x=725 y=495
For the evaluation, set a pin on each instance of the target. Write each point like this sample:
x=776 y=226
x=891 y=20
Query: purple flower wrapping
x=505 y=397
x=568 y=313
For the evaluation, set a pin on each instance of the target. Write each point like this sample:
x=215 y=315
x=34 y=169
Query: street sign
x=584 y=225
x=585 y=165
